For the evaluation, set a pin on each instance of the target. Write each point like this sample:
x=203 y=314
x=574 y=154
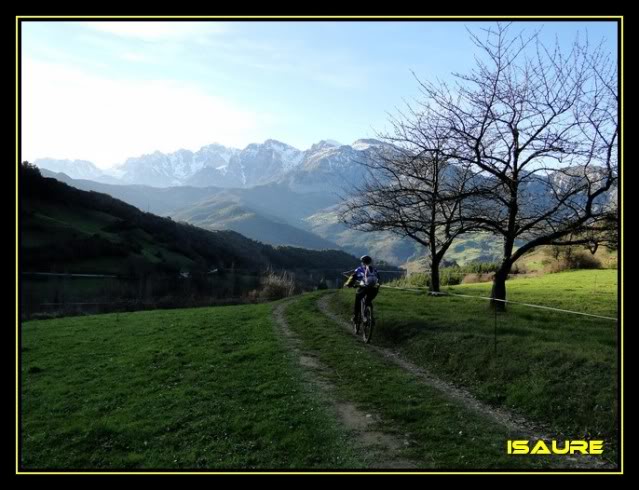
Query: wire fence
x=517 y=319
x=484 y=276
x=513 y=321
x=530 y=305
x=49 y=294
x=93 y=293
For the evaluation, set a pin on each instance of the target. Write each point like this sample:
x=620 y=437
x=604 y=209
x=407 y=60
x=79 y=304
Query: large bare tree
x=539 y=128
x=413 y=189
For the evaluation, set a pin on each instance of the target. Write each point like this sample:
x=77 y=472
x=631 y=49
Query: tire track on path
x=511 y=421
x=383 y=448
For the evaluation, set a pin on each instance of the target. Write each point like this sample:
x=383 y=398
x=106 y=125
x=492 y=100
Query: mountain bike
x=366 y=319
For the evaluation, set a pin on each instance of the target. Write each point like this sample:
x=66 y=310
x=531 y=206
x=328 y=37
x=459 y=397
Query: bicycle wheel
x=362 y=314
x=355 y=326
x=367 y=327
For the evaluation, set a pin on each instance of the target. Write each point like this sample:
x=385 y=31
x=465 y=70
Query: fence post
x=495 y=332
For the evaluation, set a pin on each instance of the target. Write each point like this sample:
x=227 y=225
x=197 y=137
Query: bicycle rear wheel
x=367 y=326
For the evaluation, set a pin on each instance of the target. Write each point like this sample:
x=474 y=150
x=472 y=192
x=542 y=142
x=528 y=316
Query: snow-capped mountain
x=365 y=144
x=263 y=163
x=214 y=165
x=76 y=169
x=177 y=168
x=326 y=165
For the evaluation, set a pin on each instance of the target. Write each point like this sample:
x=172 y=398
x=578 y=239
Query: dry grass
x=277 y=286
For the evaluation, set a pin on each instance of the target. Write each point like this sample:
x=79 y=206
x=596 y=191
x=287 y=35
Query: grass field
x=201 y=388
x=217 y=388
x=555 y=368
x=443 y=434
x=587 y=291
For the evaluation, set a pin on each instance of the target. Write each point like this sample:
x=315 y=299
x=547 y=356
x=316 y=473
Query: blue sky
x=105 y=91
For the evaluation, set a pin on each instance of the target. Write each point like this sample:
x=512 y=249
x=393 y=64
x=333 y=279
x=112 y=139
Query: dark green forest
x=63 y=229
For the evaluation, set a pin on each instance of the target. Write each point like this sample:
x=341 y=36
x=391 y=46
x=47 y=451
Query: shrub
x=475 y=278
x=583 y=260
x=568 y=258
x=518 y=268
x=277 y=286
x=447 y=277
x=480 y=267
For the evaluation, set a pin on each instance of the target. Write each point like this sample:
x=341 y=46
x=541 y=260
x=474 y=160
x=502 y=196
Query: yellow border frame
x=329 y=17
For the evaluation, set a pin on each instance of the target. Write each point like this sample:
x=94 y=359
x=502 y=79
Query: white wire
x=420 y=289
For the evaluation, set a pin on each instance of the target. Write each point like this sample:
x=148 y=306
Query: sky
x=106 y=91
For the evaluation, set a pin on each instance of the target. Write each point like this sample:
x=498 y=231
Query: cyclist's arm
x=349 y=281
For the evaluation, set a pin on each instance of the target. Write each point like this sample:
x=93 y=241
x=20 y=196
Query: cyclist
x=366 y=279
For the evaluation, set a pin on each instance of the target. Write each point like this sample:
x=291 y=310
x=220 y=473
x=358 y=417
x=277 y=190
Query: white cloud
x=153 y=31
x=136 y=57
x=67 y=113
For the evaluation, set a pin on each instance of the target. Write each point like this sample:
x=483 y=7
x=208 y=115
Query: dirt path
x=382 y=448
x=503 y=417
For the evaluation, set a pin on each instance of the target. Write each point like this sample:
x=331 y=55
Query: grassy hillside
x=271 y=214
x=472 y=247
x=65 y=229
x=542 y=259
x=275 y=214
x=157 y=200
x=475 y=247
x=553 y=367
x=380 y=245
x=215 y=215
x=203 y=388
x=274 y=199
x=483 y=248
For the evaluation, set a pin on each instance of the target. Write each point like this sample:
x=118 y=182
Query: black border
x=281 y=17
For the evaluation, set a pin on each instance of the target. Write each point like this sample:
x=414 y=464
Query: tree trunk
x=434 y=275
x=499 y=281
x=499 y=286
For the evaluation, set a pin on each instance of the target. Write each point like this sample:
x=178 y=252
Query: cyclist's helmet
x=366 y=260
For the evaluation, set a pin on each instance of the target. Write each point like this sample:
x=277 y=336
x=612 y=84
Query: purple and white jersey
x=367 y=275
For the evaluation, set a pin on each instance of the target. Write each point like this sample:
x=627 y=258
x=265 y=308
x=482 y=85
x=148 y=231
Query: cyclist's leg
x=370 y=296
x=365 y=303
x=371 y=292
x=358 y=303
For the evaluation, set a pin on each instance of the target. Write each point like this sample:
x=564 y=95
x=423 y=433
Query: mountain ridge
x=217 y=165
x=65 y=229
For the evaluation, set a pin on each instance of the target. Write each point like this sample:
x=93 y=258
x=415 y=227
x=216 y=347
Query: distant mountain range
x=78 y=169
x=270 y=192
x=271 y=213
x=326 y=165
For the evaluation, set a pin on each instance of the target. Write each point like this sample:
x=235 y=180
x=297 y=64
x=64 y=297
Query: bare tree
x=413 y=189
x=539 y=128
